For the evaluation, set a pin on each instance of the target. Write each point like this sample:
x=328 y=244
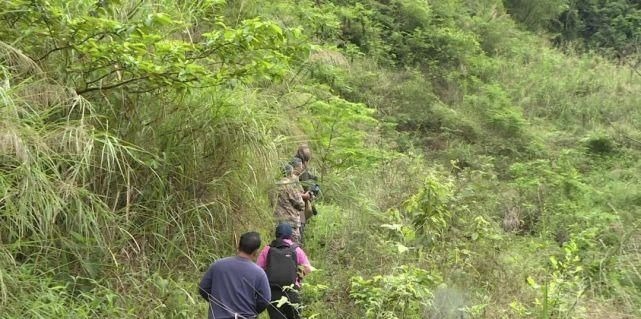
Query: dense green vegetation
x=610 y=27
x=479 y=159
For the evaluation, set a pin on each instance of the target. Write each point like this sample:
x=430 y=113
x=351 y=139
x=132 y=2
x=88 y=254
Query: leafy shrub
x=428 y=210
x=536 y=15
x=499 y=113
x=563 y=288
x=404 y=294
x=600 y=144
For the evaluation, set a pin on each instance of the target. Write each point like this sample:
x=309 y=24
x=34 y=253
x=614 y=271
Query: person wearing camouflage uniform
x=290 y=201
x=307 y=181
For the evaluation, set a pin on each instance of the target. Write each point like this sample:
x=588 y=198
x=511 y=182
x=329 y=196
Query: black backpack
x=282 y=268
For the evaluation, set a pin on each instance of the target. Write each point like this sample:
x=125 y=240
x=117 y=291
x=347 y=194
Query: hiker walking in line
x=235 y=287
x=308 y=182
x=290 y=204
x=285 y=264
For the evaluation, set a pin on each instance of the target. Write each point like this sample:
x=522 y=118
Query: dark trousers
x=286 y=311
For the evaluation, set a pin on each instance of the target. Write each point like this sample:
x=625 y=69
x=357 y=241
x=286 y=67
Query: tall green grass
x=102 y=211
x=112 y=204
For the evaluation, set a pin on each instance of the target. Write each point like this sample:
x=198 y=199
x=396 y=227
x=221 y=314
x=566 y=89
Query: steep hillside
x=473 y=163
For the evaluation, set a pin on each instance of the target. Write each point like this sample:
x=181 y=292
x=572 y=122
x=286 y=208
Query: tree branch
x=113 y=86
x=133 y=11
x=103 y=76
x=72 y=45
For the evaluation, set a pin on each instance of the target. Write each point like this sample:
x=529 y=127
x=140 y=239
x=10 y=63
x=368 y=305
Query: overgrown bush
x=139 y=138
x=404 y=294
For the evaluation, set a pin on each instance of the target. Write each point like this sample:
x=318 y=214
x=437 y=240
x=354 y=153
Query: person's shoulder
x=299 y=250
x=222 y=261
x=255 y=267
x=296 y=246
x=266 y=248
x=301 y=256
x=287 y=179
x=257 y=271
x=225 y=259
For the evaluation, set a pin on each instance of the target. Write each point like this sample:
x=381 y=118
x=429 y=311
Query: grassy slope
x=552 y=106
x=564 y=106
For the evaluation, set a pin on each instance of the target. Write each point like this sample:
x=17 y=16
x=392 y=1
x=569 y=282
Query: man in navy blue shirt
x=235 y=287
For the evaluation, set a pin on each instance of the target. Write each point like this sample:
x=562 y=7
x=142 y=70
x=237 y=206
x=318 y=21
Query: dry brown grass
x=330 y=57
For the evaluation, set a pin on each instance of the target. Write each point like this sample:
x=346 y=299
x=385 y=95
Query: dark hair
x=304 y=153
x=249 y=242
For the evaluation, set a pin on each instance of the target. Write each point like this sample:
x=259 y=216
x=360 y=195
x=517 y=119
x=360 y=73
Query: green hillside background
x=478 y=159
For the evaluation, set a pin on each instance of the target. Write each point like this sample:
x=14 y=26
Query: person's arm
x=296 y=198
x=204 y=288
x=263 y=293
x=302 y=260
